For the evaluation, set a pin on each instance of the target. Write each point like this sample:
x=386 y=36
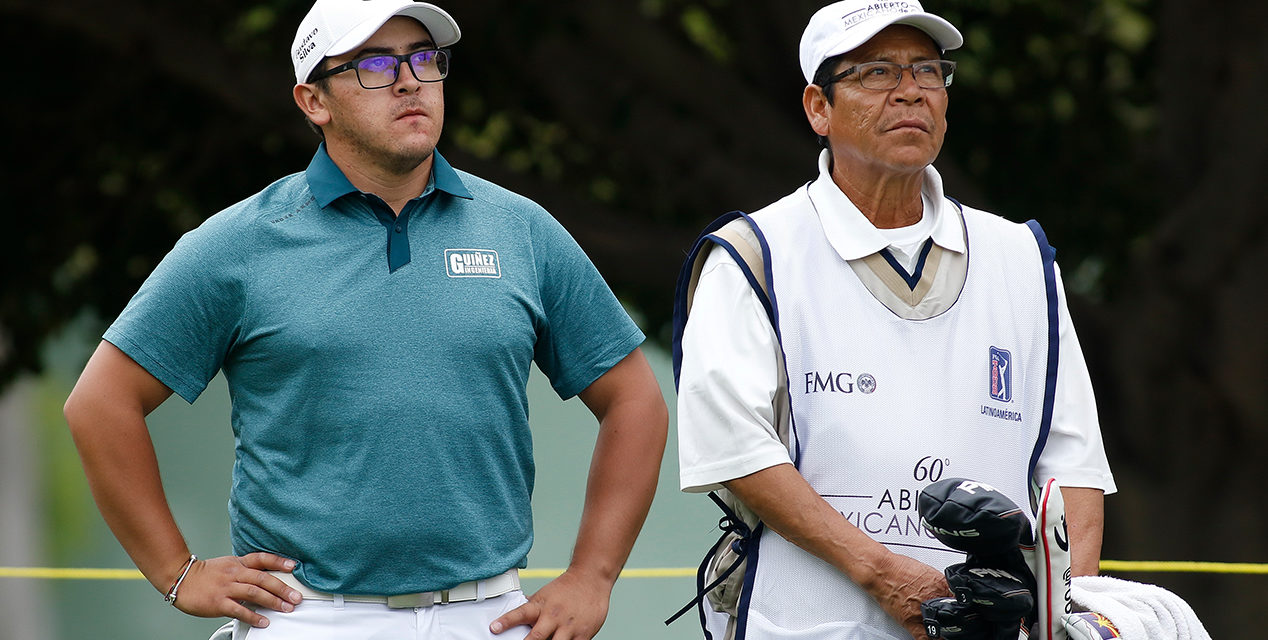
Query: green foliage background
x=1129 y=128
x=635 y=122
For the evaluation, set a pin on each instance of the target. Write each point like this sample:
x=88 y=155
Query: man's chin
x=407 y=159
x=912 y=159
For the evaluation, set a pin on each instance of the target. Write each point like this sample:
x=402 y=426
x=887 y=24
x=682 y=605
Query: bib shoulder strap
x=737 y=234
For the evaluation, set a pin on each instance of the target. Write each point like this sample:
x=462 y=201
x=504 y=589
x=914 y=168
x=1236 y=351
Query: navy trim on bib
x=750 y=579
x=1054 y=332
x=767 y=304
x=795 y=448
x=684 y=282
x=912 y=279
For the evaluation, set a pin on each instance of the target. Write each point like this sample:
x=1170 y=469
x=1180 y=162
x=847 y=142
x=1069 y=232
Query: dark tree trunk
x=1181 y=355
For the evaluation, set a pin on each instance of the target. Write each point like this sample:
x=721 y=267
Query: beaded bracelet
x=171 y=593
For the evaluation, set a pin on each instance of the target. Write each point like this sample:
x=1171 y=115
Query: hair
x=823 y=76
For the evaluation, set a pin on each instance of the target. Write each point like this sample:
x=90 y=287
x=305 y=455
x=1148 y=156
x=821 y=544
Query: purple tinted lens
x=430 y=65
x=377 y=71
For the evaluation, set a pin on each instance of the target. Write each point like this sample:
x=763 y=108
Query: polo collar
x=328 y=182
x=853 y=236
x=446 y=179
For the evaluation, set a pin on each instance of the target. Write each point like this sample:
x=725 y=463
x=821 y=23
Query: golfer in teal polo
x=376 y=317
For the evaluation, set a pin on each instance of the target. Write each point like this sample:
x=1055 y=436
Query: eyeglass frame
x=901 y=68
x=399 y=57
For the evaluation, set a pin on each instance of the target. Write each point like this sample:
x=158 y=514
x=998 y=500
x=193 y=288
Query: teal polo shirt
x=377 y=368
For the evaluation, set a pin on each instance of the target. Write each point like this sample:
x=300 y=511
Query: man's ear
x=817 y=108
x=312 y=101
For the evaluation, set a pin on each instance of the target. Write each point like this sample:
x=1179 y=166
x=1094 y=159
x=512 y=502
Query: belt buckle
x=412 y=600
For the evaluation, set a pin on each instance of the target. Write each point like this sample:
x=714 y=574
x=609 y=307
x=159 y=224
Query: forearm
x=1085 y=524
x=622 y=481
x=119 y=461
x=106 y=415
x=786 y=503
x=633 y=422
x=783 y=499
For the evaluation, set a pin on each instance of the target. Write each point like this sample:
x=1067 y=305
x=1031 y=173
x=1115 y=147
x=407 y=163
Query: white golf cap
x=335 y=27
x=844 y=26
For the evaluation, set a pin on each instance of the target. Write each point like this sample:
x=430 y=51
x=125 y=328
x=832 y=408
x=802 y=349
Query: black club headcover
x=994 y=582
x=998 y=594
x=951 y=619
x=972 y=517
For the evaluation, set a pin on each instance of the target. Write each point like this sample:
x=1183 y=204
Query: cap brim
x=442 y=27
x=944 y=34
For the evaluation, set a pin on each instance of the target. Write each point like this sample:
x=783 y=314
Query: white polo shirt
x=728 y=378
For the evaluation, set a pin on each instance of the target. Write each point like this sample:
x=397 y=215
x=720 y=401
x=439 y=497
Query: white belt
x=467 y=591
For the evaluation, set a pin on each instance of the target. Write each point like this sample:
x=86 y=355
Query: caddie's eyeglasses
x=884 y=76
x=381 y=69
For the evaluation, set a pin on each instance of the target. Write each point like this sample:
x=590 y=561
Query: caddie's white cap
x=844 y=26
x=335 y=27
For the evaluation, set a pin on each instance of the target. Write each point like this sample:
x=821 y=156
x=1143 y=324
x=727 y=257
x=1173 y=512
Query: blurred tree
x=1180 y=347
x=1126 y=126
x=633 y=122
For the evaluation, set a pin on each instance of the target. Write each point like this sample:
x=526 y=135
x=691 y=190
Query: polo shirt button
x=398 y=228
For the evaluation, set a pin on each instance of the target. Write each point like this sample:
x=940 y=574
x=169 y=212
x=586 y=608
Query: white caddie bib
x=883 y=405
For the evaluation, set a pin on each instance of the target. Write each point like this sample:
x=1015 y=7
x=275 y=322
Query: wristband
x=170 y=598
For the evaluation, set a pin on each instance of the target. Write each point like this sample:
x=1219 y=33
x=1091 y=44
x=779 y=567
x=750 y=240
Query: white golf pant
x=324 y=620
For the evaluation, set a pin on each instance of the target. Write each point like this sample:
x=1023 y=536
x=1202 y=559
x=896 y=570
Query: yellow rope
x=625 y=573
x=70 y=574
x=1106 y=565
x=132 y=574
x=1184 y=567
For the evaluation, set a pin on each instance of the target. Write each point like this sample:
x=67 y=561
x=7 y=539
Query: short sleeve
x=728 y=382
x=585 y=331
x=1074 y=454
x=182 y=321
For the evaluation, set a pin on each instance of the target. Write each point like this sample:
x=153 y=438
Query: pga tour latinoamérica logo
x=1000 y=383
x=1001 y=380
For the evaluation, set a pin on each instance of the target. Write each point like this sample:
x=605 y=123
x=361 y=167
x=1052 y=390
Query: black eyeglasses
x=884 y=76
x=381 y=69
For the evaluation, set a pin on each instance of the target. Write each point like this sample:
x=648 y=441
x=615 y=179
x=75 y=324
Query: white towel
x=1139 y=611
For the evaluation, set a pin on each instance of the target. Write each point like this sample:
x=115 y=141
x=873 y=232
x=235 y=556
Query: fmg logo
x=830 y=382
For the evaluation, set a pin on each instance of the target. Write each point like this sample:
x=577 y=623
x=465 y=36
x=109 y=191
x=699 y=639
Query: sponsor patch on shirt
x=472 y=263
